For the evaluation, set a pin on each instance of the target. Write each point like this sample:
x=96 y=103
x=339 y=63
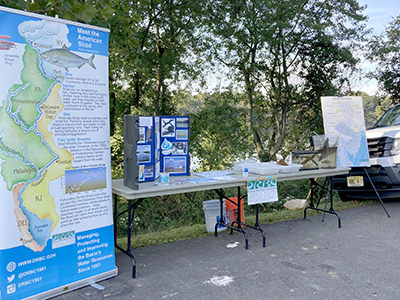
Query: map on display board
x=344 y=117
x=56 y=223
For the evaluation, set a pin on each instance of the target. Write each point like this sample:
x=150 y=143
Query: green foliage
x=166 y=212
x=219 y=136
x=93 y=11
x=285 y=55
x=385 y=51
x=149 y=48
x=150 y=53
x=374 y=108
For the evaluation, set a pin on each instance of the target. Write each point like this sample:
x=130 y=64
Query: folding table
x=150 y=189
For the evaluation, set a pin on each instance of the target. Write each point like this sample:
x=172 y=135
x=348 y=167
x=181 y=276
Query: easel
x=331 y=111
x=376 y=191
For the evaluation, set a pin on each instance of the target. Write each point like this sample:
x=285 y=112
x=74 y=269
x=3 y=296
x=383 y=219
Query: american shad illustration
x=63 y=57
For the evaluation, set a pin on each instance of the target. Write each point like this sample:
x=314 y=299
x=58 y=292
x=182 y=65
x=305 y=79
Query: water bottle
x=245 y=171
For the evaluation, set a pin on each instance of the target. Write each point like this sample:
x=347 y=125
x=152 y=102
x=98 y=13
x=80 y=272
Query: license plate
x=355 y=181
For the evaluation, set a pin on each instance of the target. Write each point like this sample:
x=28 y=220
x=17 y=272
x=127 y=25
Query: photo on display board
x=167 y=127
x=179 y=148
x=141 y=172
x=143 y=153
x=182 y=122
x=174 y=164
x=148 y=171
x=148 y=135
x=182 y=134
x=142 y=135
x=157 y=124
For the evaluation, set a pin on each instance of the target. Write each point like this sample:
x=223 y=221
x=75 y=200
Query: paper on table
x=218 y=175
x=199 y=180
x=212 y=174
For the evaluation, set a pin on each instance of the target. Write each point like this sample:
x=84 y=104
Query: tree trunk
x=249 y=115
x=113 y=106
x=160 y=76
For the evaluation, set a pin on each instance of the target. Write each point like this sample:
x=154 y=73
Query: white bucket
x=212 y=214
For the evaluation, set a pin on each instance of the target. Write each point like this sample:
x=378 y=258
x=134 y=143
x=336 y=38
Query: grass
x=199 y=230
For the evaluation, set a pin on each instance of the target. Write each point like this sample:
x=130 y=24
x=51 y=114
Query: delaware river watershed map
x=31 y=159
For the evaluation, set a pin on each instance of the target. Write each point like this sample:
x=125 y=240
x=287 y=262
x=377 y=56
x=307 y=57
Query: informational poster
x=344 y=117
x=175 y=158
x=56 y=223
x=262 y=191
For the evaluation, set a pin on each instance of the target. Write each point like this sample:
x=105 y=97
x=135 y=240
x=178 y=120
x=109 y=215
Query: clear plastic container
x=327 y=146
x=290 y=168
x=264 y=168
x=307 y=158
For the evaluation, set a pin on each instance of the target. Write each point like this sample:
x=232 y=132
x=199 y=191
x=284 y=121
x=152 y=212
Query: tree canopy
x=279 y=58
x=385 y=52
x=91 y=11
x=284 y=54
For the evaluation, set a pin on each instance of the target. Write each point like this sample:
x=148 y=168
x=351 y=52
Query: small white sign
x=63 y=239
x=261 y=191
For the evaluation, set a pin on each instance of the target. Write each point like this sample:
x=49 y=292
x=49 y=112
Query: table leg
x=238 y=221
x=257 y=225
x=131 y=213
x=329 y=198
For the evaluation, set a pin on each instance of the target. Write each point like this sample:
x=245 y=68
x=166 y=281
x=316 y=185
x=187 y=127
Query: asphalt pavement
x=304 y=259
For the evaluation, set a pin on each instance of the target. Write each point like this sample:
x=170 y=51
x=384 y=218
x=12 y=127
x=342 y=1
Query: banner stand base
x=75 y=285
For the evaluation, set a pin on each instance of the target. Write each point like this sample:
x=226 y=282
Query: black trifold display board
x=154 y=145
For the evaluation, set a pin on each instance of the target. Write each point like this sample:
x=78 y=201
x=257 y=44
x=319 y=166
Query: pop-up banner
x=56 y=223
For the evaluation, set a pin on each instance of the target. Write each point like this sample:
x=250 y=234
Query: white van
x=384 y=155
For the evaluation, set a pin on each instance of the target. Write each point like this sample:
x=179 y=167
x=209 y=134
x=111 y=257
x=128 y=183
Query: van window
x=390 y=118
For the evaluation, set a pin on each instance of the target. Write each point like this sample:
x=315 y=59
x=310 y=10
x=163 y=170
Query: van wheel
x=343 y=196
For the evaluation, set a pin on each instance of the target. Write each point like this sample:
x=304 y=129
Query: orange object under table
x=232 y=210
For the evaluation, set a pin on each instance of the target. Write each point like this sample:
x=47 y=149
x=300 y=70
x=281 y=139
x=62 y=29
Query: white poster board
x=262 y=191
x=56 y=222
x=344 y=116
